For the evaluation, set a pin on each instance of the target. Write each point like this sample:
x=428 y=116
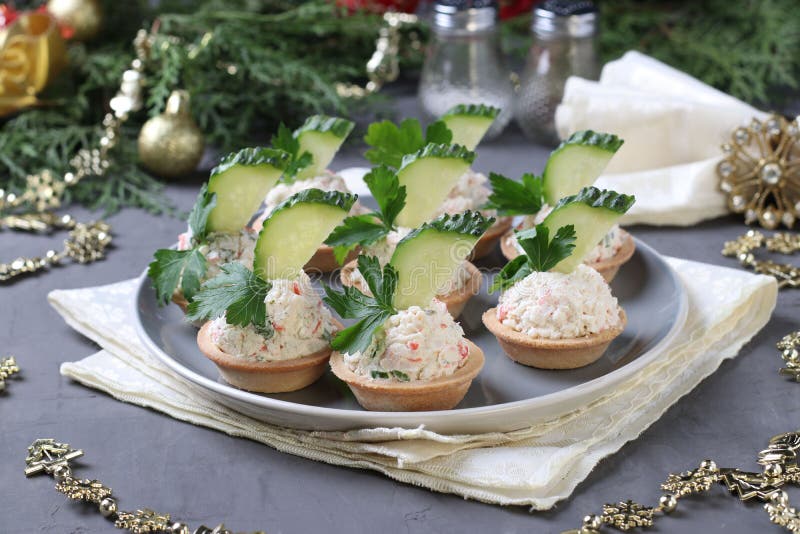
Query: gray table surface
x=202 y=476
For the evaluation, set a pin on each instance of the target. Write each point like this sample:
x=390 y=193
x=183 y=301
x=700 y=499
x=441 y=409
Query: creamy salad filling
x=415 y=344
x=606 y=249
x=470 y=193
x=559 y=306
x=297 y=325
x=221 y=248
x=328 y=181
x=384 y=249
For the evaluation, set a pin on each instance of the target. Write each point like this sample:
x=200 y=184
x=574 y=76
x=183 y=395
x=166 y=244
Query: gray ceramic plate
x=505 y=396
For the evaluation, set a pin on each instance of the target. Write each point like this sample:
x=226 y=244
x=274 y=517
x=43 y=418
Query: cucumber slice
x=592 y=212
x=429 y=175
x=241 y=181
x=469 y=123
x=321 y=136
x=427 y=258
x=577 y=163
x=295 y=229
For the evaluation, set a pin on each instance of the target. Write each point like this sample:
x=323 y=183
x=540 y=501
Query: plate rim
x=404 y=419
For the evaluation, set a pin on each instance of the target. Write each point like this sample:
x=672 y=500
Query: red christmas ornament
x=380 y=6
x=7 y=15
x=512 y=8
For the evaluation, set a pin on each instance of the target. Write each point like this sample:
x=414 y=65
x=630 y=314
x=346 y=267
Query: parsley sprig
x=238 y=293
x=541 y=254
x=512 y=197
x=390 y=142
x=371 y=311
x=285 y=140
x=366 y=229
x=184 y=268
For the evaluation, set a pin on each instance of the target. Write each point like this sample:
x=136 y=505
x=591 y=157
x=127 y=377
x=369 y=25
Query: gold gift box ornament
x=32 y=53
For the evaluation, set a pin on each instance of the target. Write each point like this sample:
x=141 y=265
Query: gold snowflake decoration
x=761 y=172
x=142 y=521
x=689 y=482
x=626 y=515
x=83 y=489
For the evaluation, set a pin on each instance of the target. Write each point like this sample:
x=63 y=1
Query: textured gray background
x=201 y=476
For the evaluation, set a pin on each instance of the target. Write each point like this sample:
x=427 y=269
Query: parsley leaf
x=172 y=268
x=198 y=217
x=354 y=231
x=388 y=193
x=370 y=228
x=391 y=142
x=237 y=292
x=372 y=311
x=438 y=133
x=510 y=197
x=285 y=140
x=541 y=254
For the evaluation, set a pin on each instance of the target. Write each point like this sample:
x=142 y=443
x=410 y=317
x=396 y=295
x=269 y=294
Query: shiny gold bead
x=592 y=521
x=773 y=470
x=62 y=472
x=108 y=507
x=668 y=503
x=709 y=465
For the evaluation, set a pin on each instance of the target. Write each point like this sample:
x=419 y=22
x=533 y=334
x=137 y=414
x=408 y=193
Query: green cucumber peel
x=253 y=157
x=336 y=199
x=473 y=110
x=468 y=223
x=599 y=198
x=433 y=150
x=337 y=126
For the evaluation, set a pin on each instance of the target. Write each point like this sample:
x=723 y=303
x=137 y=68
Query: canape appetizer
x=463 y=125
x=267 y=329
x=218 y=231
x=406 y=352
x=555 y=312
x=576 y=163
x=405 y=200
x=312 y=147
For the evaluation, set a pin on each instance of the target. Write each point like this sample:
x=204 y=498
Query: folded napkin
x=673 y=126
x=535 y=466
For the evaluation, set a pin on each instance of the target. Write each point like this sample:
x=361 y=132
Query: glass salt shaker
x=564 y=45
x=464 y=63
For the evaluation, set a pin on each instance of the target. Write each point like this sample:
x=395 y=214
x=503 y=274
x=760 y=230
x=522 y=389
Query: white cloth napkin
x=536 y=466
x=673 y=126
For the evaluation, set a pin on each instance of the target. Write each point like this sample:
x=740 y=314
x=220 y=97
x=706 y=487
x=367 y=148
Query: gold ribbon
x=32 y=52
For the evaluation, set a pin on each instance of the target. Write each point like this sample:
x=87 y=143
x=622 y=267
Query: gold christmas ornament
x=761 y=172
x=171 y=144
x=84 y=17
x=32 y=53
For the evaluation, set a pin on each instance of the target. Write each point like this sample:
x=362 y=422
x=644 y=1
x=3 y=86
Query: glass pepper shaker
x=564 y=45
x=464 y=63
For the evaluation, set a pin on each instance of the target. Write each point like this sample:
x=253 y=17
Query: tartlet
x=544 y=353
x=607 y=268
x=324 y=261
x=442 y=393
x=488 y=240
x=455 y=300
x=265 y=377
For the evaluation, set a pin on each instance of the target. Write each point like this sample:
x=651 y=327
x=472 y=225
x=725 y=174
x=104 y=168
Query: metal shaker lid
x=464 y=15
x=565 y=18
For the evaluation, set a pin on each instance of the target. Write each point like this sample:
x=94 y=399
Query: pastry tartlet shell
x=442 y=393
x=455 y=300
x=551 y=353
x=607 y=268
x=488 y=240
x=264 y=377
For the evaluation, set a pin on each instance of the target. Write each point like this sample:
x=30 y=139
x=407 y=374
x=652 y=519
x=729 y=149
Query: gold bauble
x=171 y=144
x=84 y=17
